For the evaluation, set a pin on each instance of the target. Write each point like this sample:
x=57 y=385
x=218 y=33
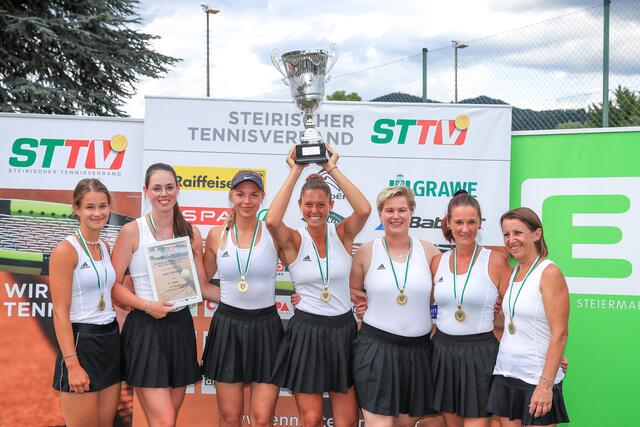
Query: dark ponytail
x=315 y=181
x=460 y=198
x=180 y=225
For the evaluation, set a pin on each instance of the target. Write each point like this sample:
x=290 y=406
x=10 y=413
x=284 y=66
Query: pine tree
x=73 y=56
x=624 y=110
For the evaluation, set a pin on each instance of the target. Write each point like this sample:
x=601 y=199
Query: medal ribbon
x=104 y=264
x=253 y=239
x=393 y=269
x=455 y=273
x=153 y=226
x=512 y=309
x=325 y=281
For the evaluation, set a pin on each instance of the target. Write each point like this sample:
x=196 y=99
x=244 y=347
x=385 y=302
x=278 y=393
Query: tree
x=341 y=95
x=624 y=110
x=73 y=56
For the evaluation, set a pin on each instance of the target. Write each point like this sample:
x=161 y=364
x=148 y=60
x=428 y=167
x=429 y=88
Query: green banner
x=586 y=188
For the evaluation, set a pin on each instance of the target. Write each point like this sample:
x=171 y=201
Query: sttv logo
x=431 y=132
x=106 y=154
x=591 y=229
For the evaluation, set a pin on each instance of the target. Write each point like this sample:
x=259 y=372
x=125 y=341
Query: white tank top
x=85 y=294
x=305 y=275
x=383 y=312
x=261 y=276
x=479 y=297
x=522 y=355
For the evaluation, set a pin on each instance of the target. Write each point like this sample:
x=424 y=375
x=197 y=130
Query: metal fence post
x=424 y=74
x=605 y=67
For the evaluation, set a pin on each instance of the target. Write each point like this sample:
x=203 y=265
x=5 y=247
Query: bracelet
x=335 y=167
x=546 y=379
x=69 y=355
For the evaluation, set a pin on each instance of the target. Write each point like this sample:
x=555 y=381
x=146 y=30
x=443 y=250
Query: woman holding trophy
x=315 y=356
x=391 y=355
x=246 y=330
x=159 y=343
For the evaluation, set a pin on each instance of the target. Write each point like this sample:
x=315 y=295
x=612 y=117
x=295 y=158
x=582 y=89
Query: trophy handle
x=275 y=54
x=333 y=53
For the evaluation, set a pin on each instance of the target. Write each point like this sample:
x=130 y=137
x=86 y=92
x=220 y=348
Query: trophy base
x=311 y=153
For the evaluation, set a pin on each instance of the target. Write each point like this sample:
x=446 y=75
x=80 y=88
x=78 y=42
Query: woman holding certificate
x=527 y=381
x=467 y=282
x=391 y=354
x=315 y=356
x=88 y=369
x=159 y=344
x=246 y=330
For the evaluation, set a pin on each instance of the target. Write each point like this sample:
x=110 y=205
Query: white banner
x=433 y=149
x=54 y=152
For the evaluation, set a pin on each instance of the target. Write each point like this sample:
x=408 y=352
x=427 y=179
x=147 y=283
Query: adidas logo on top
x=381 y=267
x=84 y=265
x=307 y=258
x=225 y=254
x=440 y=280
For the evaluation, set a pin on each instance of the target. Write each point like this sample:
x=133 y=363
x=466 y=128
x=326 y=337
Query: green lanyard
x=455 y=274
x=104 y=264
x=325 y=280
x=512 y=308
x=253 y=239
x=393 y=269
x=153 y=226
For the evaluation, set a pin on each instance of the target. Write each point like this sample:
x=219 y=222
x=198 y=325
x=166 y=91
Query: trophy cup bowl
x=306 y=72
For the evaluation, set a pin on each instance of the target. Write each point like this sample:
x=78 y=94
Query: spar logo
x=433 y=188
x=205 y=216
x=425 y=132
x=590 y=225
x=47 y=153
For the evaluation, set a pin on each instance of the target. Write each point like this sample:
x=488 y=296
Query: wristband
x=69 y=355
x=335 y=167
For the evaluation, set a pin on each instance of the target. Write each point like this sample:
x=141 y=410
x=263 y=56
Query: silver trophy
x=306 y=73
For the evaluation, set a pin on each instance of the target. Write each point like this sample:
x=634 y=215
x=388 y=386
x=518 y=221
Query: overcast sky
x=369 y=33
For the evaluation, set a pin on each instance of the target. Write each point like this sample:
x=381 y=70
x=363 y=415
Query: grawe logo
x=45 y=153
x=591 y=229
x=205 y=216
x=432 y=188
x=437 y=132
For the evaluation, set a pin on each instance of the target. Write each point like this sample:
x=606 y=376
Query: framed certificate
x=172 y=272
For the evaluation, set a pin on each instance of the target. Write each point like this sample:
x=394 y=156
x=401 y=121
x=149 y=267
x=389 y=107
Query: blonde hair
x=397 y=190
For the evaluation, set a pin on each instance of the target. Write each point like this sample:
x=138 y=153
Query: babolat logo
x=419 y=222
x=430 y=188
x=48 y=153
x=590 y=226
x=307 y=258
x=436 y=132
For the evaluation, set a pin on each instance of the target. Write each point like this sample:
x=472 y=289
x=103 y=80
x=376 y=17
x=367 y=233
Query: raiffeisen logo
x=436 y=132
x=49 y=153
x=430 y=188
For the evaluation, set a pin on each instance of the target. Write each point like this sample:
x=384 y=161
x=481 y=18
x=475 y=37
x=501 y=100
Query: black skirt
x=510 y=398
x=242 y=345
x=462 y=371
x=98 y=348
x=160 y=352
x=392 y=373
x=315 y=355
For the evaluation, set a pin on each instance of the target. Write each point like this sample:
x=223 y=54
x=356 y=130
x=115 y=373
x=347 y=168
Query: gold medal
x=402 y=298
x=459 y=314
x=511 y=328
x=101 y=303
x=325 y=295
x=243 y=286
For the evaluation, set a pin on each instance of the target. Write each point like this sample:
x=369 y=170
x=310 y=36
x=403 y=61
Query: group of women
x=395 y=368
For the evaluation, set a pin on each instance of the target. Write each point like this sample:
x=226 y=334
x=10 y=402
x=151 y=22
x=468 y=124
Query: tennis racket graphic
x=30 y=230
